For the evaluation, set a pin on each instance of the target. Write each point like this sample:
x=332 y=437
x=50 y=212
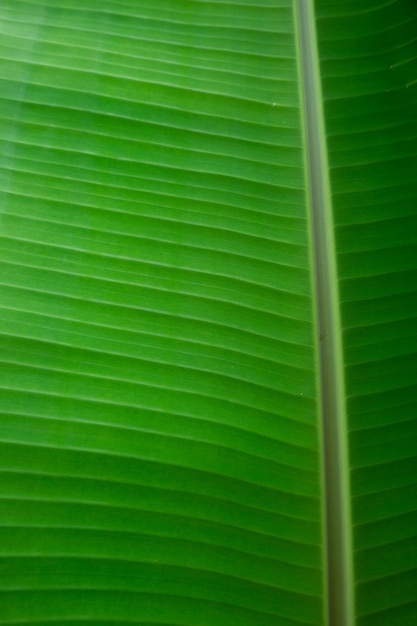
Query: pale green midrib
x=339 y=583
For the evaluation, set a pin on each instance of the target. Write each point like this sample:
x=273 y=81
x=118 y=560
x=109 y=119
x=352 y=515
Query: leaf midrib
x=337 y=539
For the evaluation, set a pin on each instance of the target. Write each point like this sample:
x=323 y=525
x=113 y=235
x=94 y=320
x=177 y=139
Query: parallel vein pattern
x=159 y=442
x=369 y=66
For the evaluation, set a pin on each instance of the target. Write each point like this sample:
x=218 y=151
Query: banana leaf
x=208 y=312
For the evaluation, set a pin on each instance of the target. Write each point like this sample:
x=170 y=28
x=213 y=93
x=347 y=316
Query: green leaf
x=208 y=335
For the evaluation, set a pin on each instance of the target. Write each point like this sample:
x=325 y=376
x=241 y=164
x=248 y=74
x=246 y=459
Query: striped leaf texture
x=208 y=311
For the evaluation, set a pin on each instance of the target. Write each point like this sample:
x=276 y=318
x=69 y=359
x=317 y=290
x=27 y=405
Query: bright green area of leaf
x=160 y=390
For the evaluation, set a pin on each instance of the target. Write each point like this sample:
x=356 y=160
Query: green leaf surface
x=208 y=312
